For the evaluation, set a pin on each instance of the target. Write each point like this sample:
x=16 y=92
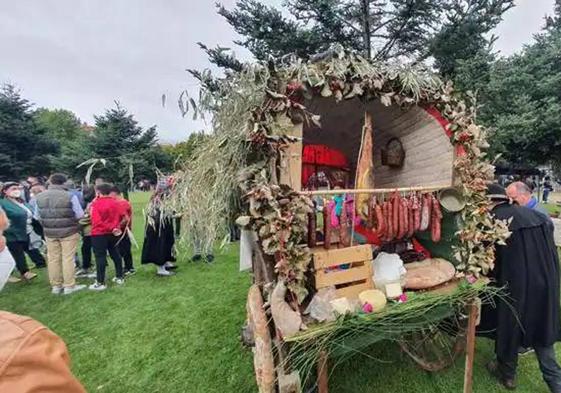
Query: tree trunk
x=366 y=28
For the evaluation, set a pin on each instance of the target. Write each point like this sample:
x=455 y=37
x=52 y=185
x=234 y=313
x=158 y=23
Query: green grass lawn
x=181 y=334
x=553 y=208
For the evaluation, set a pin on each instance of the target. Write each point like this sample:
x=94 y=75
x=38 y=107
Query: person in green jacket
x=17 y=235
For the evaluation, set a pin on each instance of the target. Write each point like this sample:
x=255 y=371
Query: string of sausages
x=394 y=218
x=400 y=217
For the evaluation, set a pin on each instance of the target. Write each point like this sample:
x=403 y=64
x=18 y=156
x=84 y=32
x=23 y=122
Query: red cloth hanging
x=314 y=156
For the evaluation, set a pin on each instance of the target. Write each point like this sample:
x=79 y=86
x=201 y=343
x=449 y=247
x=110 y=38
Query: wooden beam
x=470 y=346
x=291 y=160
x=375 y=190
x=323 y=377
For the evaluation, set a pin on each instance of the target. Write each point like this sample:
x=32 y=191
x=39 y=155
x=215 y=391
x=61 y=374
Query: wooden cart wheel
x=263 y=360
x=435 y=348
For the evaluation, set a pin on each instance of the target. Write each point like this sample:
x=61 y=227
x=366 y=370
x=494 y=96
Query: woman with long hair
x=20 y=216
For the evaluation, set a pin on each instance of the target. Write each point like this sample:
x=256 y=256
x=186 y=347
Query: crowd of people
x=57 y=216
x=54 y=214
x=532 y=182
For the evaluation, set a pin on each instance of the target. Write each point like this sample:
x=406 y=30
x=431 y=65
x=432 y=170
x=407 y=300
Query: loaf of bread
x=428 y=273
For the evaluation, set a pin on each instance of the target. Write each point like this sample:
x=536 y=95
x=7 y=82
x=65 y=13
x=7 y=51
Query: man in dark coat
x=528 y=267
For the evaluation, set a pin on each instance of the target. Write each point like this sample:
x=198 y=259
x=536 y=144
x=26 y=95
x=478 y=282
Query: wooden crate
x=348 y=282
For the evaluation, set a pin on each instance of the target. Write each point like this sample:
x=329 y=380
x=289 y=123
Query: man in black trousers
x=528 y=268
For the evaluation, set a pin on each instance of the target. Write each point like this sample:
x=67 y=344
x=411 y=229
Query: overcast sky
x=84 y=54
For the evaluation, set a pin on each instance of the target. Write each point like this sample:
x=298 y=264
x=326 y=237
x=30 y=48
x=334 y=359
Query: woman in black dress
x=159 y=237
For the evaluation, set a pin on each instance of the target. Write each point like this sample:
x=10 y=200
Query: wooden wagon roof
x=429 y=153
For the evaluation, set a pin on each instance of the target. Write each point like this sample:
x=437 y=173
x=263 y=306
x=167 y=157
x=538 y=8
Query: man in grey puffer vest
x=59 y=212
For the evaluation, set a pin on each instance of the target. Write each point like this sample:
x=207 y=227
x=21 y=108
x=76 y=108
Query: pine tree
x=554 y=22
x=125 y=146
x=415 y=30
x=25 y=148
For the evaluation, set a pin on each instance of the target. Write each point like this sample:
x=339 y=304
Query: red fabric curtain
x=315 y=156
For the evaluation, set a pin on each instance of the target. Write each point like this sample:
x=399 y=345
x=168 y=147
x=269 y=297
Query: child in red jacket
x=107 y=215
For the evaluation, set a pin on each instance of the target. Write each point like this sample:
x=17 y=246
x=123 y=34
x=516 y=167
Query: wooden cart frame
x=255 y=336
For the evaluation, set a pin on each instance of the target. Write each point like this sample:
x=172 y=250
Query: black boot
x=493 y=368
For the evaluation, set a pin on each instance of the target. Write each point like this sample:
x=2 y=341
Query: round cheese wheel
x=374 y=297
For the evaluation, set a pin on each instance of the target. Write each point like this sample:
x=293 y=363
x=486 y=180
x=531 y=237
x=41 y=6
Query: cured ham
x=365 y=167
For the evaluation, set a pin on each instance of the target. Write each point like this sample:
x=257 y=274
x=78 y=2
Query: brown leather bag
x=33 y=358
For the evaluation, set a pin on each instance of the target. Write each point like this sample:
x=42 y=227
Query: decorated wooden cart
x=343 y=172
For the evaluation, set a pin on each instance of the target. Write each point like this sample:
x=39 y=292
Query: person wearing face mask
x=17 y=234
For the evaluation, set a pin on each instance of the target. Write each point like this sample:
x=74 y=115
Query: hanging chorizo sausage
x=380 y=222
x=426 y=212
x=416 y=212
x=436 y=228
x=395 y=214
x=326 y=226
x=403 y=218
x=411 y=214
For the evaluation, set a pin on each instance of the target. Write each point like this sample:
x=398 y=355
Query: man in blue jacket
x=521 y=194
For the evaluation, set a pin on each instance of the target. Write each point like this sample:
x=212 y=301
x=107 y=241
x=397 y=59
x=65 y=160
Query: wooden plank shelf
x=343 y=276
x=348 y=269
x=338 y=256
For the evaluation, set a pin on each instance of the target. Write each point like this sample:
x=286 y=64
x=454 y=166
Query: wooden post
x=291 y=160
x=470 y=346
x=323 y=377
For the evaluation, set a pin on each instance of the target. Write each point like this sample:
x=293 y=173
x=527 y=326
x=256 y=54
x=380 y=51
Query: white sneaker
x=130 y=272
x=75 y=288
x=56 y=290
x=97 y=287
x=164 y=272
x=91 y=275
x=81 y=273
x=118 y=281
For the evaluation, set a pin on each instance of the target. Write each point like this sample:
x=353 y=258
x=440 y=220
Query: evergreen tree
x=126 y=147
x=448 y=30
x=523 y=101
x=25 y=148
